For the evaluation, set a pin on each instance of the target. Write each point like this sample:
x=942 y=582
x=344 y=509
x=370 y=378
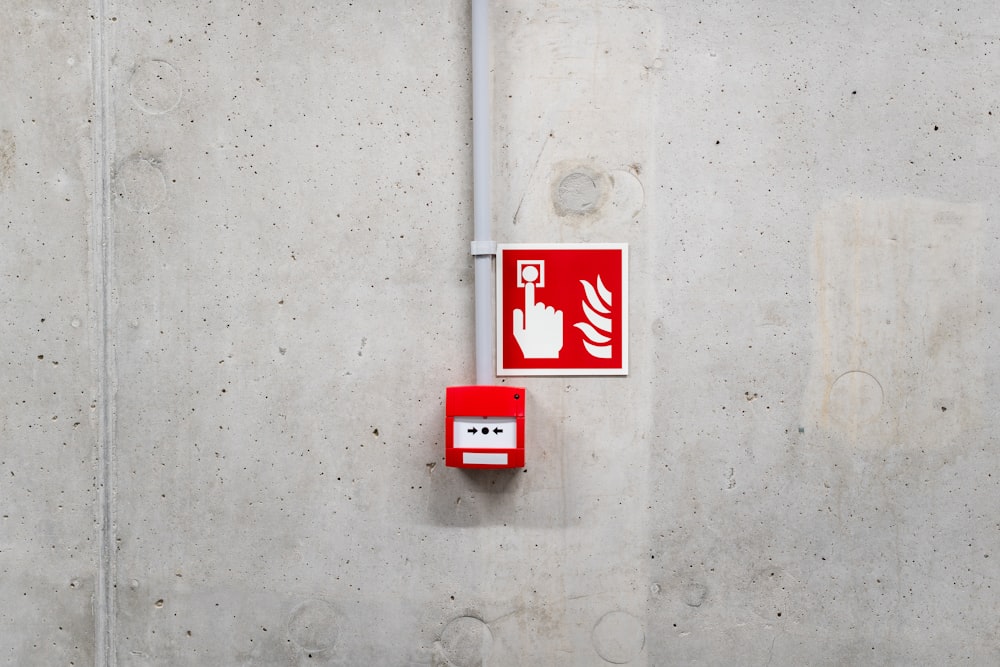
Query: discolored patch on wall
x=897 y=310
x=855 y=398
x=618 y=637
x=314 y=626
x=466 y=642
x=155 y=87
x=8 y=153
x=773 y=593
x=628 y=196
x=579 y=190
x=583 y=193
x=140 y=185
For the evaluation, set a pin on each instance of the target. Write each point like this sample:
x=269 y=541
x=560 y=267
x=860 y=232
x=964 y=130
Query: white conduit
x=483 y=248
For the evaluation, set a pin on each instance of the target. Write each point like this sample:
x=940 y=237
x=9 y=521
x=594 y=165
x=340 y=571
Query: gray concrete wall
x=235 y=280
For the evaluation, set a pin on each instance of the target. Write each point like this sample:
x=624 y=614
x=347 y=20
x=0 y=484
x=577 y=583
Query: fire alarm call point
x=484 y=426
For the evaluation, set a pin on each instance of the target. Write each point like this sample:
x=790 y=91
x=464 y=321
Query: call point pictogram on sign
x=562 y=309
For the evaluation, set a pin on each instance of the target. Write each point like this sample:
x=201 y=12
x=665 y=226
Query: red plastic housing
x=484 y=426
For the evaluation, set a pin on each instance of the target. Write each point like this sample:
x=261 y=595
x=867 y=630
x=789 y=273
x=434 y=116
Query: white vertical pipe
x=482 y=155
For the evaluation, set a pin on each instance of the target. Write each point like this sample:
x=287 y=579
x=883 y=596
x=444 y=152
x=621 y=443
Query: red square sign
x=562 y=309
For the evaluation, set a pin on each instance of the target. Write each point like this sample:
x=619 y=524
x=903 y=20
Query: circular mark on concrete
x=577 y=193
x=771 y=593
x=140 y=185
x=467 y=641
x=658 y=328
x=628 y=197
x=855 y=398
x=618 y=637
x=694 y=593
x=155 y=86
x=314 y=626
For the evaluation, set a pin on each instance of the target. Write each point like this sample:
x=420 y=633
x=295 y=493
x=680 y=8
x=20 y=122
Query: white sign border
x=560 y=372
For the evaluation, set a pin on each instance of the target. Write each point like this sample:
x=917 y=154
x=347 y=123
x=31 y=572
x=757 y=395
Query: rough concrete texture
x=49 y=534
x=235 y=278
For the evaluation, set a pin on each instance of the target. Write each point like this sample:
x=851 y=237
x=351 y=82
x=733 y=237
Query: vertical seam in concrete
x=102 y=256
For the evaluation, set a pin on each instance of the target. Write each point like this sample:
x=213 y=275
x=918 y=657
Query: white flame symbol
x=598 y=332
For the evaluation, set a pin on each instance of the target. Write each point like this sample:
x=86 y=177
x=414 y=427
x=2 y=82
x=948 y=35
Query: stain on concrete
x=855 y=398
x=140 y=185
x=694 y=593
x=314 y=626
x=8 y=153
x=577 y=193
x=466 y=642
x=618 y=637
x=628 y=196
x=897 y=294
x=773 y=593
x=578 y=189
x=155 y=87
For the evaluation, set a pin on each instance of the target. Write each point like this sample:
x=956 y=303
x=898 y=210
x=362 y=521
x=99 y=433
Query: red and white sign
x=562 y=309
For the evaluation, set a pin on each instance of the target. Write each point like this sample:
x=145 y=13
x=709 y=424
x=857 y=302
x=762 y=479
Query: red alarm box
x=484 y=426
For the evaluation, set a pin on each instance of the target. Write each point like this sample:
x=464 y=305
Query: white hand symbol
x=538 y=329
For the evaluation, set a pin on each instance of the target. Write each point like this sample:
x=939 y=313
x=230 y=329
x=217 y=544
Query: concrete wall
x=235 y=281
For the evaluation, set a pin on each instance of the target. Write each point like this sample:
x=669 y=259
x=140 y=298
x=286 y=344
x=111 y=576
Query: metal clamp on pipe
x=480 y=248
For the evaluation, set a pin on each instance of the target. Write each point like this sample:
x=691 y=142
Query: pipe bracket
x=483 y=248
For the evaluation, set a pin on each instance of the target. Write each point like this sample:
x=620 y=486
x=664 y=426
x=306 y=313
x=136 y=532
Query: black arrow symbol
x=498 y=430
x=473 y=430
